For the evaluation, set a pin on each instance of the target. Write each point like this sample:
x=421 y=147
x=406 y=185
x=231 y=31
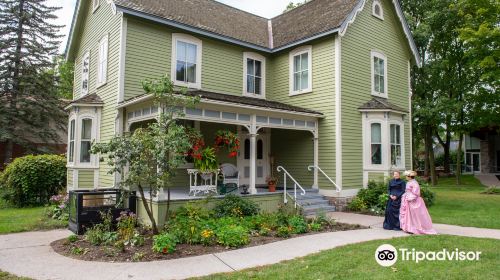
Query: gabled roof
x=210 y=18
x=89 y=99
x=381 y=104
x=234 y=99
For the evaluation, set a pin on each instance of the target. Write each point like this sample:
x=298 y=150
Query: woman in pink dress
x=413 y=215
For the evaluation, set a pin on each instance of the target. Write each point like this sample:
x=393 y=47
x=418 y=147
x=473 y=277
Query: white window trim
x=377 y=3
x=83 y=92
x=262 y=59
x=295 y=52
x=71 y=163
x=102 y=77
x=367 y=122
x=402 y=131
x=191 y=40
x=78 y=116
x=379 y=55
x=95 y=5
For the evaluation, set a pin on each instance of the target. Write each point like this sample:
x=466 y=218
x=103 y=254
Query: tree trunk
x=426 y=155
x=148 y=209
x=430 y=154
x=458 y=172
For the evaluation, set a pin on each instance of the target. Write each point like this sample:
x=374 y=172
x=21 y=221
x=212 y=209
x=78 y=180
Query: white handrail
x=295 y=185
x=310 y=167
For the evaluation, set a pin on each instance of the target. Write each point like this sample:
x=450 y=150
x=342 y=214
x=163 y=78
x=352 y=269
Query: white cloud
x=264 y=8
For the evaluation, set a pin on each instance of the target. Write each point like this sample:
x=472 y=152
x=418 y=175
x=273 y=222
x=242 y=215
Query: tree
x=28 y=99
x=292 y=5
x=64 y=72
x=149 y=156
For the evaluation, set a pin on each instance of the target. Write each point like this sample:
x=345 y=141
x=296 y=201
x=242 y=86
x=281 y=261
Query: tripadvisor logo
x=387 y=255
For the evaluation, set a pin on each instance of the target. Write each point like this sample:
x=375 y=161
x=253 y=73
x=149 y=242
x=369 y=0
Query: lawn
x=25 y=219
x=357 y=261
x=8 y=276
x=465 y=205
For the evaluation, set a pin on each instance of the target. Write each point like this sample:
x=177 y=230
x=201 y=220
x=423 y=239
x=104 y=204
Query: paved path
x=488 y=179
x=29 y=254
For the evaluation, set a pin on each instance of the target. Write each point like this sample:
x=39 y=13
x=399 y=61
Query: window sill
x=294 y=93
x=258 y=96
x=377 y=94
x=80 y=166
x=101 y=85
x=188 y=85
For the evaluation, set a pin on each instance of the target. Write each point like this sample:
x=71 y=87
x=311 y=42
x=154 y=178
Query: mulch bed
x=112 y=254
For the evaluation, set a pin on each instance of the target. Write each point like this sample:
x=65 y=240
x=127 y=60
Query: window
x=260 y=149
x=102 y=71
x=301 y=70
x=395 y=144
x=379 y=74
x=85 y=73
x=186 y=61
x=71 y=149
x=254 y=70
x=95 y=5
x=377 y=10
x=246 y=154
x=376 y=143
x=85 y=140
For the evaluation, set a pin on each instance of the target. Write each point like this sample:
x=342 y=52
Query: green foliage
x=164 y=243
x=102 y=233
x=236 y=206
x=284 y=231
x=373 y=197
x=58 y=208
x=357 y=204
x=292 y=5
x=232 y=235
x=188 y=223
x=79 y=250
x=32 y=180
x=152 y=155
x=427 y=194
x=73 y=238
x=208 y=160
x=297 y=224
x=65 y=77
x=126 y=225
x=314 y=226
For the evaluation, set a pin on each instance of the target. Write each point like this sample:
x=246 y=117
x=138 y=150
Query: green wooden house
x=324 y=86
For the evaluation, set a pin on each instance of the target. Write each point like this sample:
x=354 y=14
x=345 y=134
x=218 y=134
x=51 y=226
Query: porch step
x=313 y=203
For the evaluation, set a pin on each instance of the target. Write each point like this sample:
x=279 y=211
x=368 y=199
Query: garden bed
x=145 y=253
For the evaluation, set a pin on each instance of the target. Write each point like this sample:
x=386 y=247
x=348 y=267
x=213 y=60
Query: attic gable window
x=186 y=60
x=95 y=5
x=254 y=75
x=85 y=74
x=377 y=10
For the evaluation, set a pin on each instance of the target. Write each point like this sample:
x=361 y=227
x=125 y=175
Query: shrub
x=357 y=204
x=297 y=224
x=284 y=231
x=32 y=180
x=126 y=226
x=314 y=226
x=73 y=238
x=236 y=206
x=102 y=233
x=427 y=195
x=232 y=235
x=371 y=195
x=188 y=223
x=58 y=208
x=164 y=243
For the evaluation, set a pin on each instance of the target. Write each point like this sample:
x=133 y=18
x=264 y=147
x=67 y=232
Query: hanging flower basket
x=228 y=140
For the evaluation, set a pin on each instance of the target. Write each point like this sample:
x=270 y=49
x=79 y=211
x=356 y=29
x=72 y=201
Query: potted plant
x=271 y=183
x=229 y=140
x=206 y=163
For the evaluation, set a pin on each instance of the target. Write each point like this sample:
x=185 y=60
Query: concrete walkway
x=29 y=254
x=489 y=180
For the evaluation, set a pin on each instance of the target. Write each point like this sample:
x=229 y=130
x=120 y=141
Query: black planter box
x=85 y=207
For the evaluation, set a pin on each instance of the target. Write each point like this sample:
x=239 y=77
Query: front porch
x=271 y=134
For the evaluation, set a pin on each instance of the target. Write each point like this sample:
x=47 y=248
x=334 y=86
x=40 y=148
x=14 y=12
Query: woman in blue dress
x=396 y=189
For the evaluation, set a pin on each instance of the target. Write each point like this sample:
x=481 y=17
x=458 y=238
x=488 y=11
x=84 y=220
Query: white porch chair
x=231 y=174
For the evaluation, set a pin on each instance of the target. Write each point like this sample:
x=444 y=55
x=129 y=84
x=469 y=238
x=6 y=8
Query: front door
x=262 y=157
x=473 y=162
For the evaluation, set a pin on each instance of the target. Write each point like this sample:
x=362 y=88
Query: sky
x=264 y=8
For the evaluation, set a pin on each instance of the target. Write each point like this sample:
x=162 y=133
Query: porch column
x=253 y=160
x=315 y=161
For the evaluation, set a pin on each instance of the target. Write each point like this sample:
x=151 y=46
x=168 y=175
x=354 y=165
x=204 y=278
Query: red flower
x=233 y=154
x=165 y=250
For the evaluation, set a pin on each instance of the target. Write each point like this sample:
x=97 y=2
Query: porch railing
x=311 y=167
x=295 y=185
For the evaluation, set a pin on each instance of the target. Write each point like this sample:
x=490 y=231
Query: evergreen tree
x=28 y=96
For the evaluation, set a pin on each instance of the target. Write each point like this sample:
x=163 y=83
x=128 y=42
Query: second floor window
x=85 y=140
x=85 y=73
x=186 y=60
x=300 y=70
x=254 y=75
x=379 y=74
x=102 y=70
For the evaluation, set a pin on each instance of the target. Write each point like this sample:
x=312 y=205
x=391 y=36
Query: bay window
x=395 y=131
x=376 y=143
x=85 y=140
x=71 y=148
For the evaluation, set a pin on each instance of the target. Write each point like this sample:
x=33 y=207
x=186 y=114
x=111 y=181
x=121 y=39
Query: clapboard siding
x=322 y=99
x=365 y=34
x=85 y=179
